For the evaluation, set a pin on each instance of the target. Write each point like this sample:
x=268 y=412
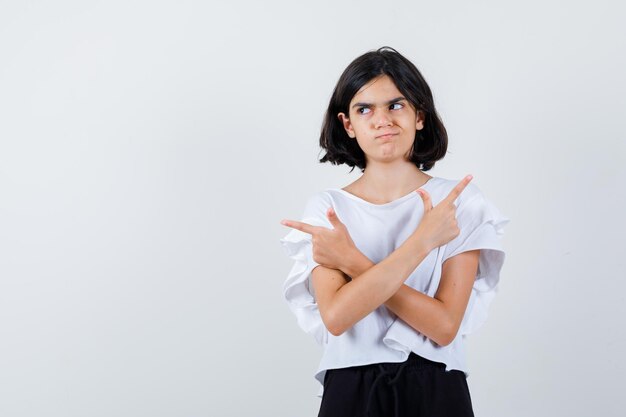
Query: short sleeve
x=298 y=289
x=481 y=227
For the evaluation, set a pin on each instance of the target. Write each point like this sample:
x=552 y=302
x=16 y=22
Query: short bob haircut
x=430 y=144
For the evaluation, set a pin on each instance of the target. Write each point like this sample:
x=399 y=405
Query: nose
x=382 y=119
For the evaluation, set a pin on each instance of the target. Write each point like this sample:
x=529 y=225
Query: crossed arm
x=343 y=301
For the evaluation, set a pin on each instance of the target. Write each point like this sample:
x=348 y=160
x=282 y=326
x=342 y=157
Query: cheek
x=359 y=129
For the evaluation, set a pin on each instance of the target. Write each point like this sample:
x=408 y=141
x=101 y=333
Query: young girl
x=387 y=280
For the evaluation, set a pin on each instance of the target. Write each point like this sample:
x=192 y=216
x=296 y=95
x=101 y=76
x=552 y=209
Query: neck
x=388 y=181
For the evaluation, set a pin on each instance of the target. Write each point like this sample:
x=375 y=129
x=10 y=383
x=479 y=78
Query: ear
x=346 y=124
x=419 y=123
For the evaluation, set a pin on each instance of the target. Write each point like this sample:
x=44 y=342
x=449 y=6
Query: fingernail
x=470 y=176
x=283 y=222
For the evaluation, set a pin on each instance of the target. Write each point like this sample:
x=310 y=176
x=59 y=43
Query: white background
x=149 y=149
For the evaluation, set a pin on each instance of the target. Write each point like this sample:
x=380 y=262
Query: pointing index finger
x=303 y=227
x=458 y=189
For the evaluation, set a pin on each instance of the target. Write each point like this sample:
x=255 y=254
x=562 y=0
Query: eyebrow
x=392 y=101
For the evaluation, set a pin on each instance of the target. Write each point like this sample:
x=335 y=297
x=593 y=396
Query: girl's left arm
x=438 y=317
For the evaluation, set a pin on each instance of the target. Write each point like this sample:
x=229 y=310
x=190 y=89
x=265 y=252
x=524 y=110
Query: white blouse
x=377 y=230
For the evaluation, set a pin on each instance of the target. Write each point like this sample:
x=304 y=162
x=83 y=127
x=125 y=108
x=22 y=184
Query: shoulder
x=319 y=200
x=315 y=209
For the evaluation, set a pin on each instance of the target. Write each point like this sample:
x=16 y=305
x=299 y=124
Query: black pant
x=416 y=387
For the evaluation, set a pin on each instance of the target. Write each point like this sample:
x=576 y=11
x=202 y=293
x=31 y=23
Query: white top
x=377 y=230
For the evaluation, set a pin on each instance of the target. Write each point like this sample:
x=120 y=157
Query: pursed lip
x=386 y=135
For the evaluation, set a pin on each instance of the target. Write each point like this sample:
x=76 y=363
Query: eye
x=363 y=110
x=397 y=104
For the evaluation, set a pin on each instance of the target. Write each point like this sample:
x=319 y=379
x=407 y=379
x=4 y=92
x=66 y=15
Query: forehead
x=379 y=89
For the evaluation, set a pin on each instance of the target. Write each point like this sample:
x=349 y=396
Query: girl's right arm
x=342 y=303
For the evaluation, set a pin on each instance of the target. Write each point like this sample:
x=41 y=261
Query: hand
x=332 y=248
x=439 y=225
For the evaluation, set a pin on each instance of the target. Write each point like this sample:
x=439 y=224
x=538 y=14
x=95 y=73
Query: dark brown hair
x=430 y=144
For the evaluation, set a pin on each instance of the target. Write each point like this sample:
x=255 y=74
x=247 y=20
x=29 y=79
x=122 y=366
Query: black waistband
x=416 y=362
x=389 y=373
x=386 y=375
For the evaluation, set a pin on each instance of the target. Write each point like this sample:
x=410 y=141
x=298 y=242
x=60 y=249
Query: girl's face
x=382 y=120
